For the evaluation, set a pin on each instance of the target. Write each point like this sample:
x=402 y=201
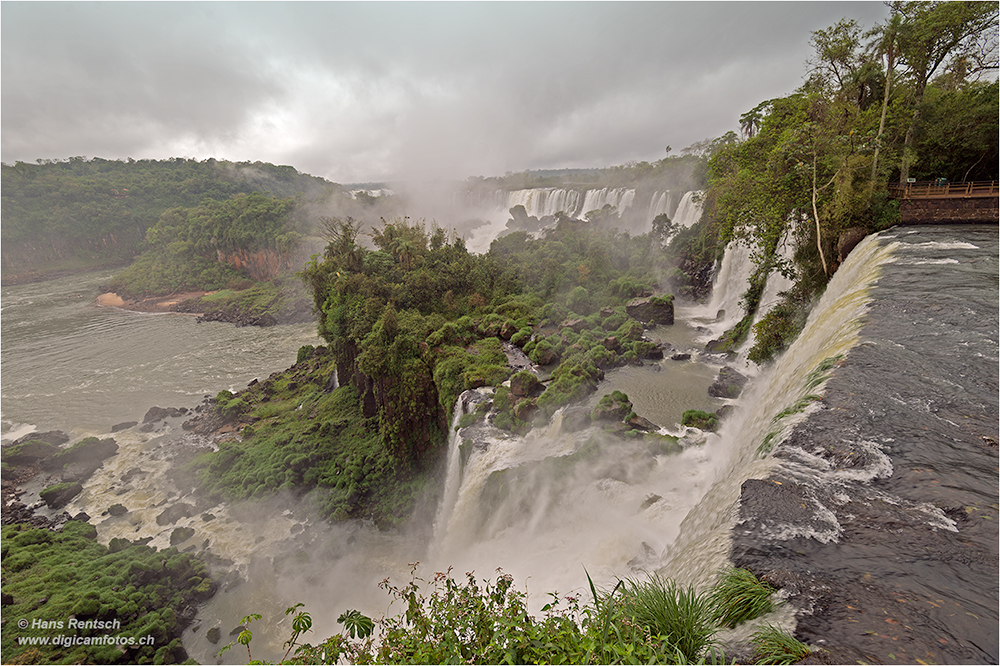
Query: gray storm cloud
x=375 y=91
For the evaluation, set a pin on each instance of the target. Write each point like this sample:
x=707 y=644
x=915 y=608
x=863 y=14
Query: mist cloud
x=373 y=91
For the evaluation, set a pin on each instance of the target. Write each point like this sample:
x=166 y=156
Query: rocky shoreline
x=296 y=312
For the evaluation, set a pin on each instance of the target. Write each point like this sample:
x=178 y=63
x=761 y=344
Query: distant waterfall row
x=541 y=201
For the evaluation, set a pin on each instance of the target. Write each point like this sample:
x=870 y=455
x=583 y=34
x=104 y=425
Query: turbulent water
x=528 y=505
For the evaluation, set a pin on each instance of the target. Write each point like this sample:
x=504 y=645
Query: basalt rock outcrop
x=652 y=310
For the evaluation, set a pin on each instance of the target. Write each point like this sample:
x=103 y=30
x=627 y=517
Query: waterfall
x=689 y=209
x=731 y=281
x=621 y=198
x=659 y=203
x=453 y=475
x=831 y=330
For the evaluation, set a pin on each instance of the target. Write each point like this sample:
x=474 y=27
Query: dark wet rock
x=30 y=452
x=118 y=427
x=58 y=496
x=655 y=310
x=174 y=513
x=117 y=510
x=639 y=423
x=159 y=413
x=649 y=501
x=575 y=419
x=132 y=473
x=80 y=461
x=53 y=437
x=729 y=384
x=213 y=635
x=680 y=356
x=180 y=535
x=848 y=240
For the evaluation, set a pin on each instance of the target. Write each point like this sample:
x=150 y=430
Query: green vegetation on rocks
x=699 y=419
x=129 y=591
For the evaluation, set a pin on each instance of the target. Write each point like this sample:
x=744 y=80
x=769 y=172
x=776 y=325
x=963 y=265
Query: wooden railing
x=937 y=189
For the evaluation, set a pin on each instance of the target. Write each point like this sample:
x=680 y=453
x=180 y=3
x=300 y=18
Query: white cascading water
x=723 y=311
x=619 y=197
x=689 y=209
x=613 y=518
x=775 y=284
x=659 y=203
x=453 y=475
x=831 y=330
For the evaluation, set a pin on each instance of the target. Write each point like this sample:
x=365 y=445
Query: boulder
x=158 y=413
x=118 y=427
x=525 y=409
x=29 y=453
x=612 y=407
x=639 y=423
x=729 y=384
x=848 y=240
x=59 y=495
x=657 y=310
x=524 y=384
x=86 y=452
x=174 y=513
x=576 y=325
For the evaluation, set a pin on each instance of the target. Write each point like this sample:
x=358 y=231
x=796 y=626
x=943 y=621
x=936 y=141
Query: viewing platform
x=943 y=202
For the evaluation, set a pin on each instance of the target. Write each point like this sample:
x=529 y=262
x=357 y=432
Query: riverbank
x=168 y=303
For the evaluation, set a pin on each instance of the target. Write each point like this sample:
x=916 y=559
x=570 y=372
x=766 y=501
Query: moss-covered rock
x=702 y=420
x=59 y=495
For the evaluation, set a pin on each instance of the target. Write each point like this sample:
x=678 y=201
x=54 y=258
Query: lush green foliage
x=212 y=246
x=486 y=622
x=739 y=596
x=305 y=438
x=59 y=212
x=59 y=575
x=699 y=419
x=901 y=100
x=441 y=621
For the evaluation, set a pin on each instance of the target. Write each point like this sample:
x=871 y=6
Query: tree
x=934 y=36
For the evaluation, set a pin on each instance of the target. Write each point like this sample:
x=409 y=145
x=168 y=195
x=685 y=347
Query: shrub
x=701 y=420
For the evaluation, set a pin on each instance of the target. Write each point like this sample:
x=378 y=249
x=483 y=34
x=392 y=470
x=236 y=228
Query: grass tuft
x=681 y=616
x=739 y=596
x=774 y=646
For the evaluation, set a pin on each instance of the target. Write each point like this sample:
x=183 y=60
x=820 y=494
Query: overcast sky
x=383 y=91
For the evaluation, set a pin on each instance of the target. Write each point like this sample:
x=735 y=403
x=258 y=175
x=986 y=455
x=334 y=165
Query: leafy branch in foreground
x=444 y=620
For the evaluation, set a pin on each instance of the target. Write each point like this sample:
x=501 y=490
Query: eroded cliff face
x=260 y=265
x=411 y=419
